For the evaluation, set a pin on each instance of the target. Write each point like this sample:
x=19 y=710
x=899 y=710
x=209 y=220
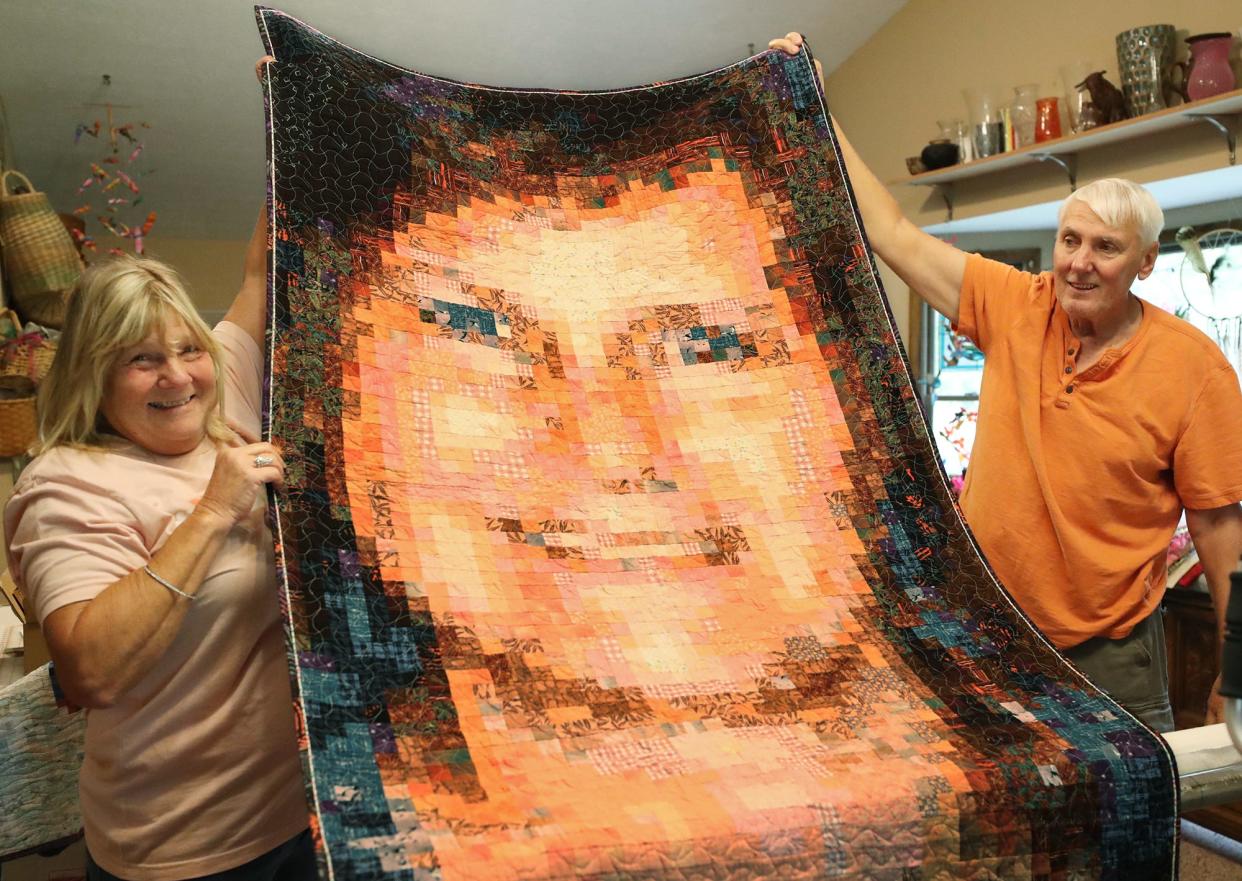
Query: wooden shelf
x=1218 y=112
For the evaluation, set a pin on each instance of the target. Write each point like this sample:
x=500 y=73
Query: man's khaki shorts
x=1133 y=670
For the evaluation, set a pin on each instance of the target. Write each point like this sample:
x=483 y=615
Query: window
x=953 y=368
x=1176 y=286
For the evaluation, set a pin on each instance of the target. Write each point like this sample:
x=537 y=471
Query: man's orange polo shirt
x=1077 y=481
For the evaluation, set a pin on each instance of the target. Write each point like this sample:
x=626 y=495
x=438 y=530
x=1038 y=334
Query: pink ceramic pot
x=1208 y=72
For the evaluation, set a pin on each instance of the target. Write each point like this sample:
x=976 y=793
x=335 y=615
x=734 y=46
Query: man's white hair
x=1121 y=204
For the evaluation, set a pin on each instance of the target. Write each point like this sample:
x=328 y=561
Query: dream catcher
x=1211 y=280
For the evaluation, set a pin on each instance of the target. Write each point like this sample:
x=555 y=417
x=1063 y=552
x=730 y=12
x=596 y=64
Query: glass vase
x=957 y=132
x=1080 y=112
x=985 y=122
x=1047 y=120
x=1022 y=112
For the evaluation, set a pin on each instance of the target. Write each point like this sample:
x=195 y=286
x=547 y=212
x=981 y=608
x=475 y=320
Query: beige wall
x=890 y=92
x=212 y=269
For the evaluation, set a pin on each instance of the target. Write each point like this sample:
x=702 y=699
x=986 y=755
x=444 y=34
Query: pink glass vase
x=1208 y=73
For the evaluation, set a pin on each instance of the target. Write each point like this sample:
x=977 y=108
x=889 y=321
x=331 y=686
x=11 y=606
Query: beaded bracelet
x=178 y=591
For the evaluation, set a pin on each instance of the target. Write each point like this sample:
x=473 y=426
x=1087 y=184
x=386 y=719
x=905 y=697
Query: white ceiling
x=186 y=67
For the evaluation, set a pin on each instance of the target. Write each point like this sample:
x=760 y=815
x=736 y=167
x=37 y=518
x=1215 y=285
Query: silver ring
x=262 y=461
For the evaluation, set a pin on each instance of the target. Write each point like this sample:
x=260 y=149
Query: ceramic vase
x=1208 y=73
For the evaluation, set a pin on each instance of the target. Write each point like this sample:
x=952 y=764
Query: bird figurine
x=1110 y=103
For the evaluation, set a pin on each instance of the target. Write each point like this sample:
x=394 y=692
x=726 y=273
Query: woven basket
x=29 y=355
x=23 y=354
x=18 y=423
x=40 y=260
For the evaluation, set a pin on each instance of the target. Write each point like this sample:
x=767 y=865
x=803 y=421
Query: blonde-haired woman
x=138 y=534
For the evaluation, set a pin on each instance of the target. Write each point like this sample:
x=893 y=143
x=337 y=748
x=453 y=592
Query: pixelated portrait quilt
x=615 y=543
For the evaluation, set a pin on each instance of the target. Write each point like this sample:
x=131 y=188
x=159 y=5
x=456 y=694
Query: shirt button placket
x=1068 y=388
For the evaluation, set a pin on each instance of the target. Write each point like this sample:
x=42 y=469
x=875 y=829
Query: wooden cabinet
x=1190 y=631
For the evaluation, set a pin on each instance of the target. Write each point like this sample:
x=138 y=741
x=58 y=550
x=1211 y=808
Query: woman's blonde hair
x=114 y=305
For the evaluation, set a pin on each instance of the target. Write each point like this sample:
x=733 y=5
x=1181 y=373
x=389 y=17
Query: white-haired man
x=1101 y=418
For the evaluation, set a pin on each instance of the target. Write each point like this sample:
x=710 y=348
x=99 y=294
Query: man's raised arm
x=932 y=268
